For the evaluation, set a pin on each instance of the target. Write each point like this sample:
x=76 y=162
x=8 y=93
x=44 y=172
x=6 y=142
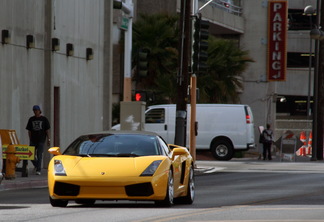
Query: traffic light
x=117 y=4
x=140 y=96
x=142 y=64
x=200 y=46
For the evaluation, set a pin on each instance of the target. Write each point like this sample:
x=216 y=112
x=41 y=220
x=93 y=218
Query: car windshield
x=120 y=145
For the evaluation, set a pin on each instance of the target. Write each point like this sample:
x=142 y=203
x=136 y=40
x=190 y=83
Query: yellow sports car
x=120 y=165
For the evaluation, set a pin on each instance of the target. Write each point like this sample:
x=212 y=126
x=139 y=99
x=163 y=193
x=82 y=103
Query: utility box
x=132 y=115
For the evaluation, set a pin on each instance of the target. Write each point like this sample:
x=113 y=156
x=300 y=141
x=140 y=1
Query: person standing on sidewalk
x=38 y=130
x=267 y=142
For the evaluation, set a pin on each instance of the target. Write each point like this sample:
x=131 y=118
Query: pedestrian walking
x=38 y=131
x=267 y=140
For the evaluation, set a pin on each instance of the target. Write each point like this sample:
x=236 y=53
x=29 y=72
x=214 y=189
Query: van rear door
x=250 y=127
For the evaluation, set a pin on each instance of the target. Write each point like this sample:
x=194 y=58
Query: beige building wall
x=28 y=76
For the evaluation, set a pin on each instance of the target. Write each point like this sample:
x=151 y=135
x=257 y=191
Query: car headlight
x=59 y=168
x=150 y=170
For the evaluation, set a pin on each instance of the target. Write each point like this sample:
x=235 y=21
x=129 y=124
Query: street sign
x=277 y=40
x=288 y=146
x=124 y=23
x=24 y=152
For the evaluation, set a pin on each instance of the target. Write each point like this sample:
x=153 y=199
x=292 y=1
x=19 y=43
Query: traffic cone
x=302 y=150
x=309 y=146
x=302 y=136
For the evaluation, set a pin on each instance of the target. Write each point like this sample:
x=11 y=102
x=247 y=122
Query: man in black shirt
x=38 y=129
x=267 y=142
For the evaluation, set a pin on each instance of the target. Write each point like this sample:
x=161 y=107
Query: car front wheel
x=189 y=198
x=168 y=200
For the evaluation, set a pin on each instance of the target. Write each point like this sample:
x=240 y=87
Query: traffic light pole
x=193 y=123
x=128 y=55
x=182 y=78
x=127 y=64
x=128 y=8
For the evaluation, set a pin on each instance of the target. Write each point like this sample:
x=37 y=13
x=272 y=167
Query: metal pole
x=182 y=80
x=310 y=71
x=128 y=8
x=193 y=126
x=320 y=91
x=316 y=88
x=315 y=108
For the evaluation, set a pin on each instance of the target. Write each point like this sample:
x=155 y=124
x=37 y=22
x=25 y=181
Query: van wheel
x=222 y=150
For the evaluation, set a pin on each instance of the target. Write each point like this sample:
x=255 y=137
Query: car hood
x=108 y=166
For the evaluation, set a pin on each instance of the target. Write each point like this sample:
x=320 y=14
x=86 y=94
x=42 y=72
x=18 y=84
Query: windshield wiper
x=83 y=155
x=102 y=155
x=127 y=155
x=108 y=155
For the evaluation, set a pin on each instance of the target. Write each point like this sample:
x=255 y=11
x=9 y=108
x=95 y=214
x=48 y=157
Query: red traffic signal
x=140 y=96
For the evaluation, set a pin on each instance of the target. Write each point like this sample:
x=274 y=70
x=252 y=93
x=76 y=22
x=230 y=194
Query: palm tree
x=158 y=34
x=226 y=62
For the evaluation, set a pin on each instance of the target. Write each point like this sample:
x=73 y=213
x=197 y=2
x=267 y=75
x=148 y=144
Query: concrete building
x=281 y=103
x=56 y=54
x=76 y=92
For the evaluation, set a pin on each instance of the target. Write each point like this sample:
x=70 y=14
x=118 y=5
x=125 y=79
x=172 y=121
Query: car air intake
x=66 y=189
x=140 y=190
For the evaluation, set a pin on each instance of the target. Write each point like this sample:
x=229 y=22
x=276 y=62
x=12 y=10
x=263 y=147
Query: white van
x=222 y=128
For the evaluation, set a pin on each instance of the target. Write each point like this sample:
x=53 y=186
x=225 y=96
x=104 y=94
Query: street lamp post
x=318 y=35
x=309 y=11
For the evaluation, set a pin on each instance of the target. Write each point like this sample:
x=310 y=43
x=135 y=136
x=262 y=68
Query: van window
x=155 y=116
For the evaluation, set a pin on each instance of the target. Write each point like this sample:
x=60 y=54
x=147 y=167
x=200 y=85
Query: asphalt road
x=236 y=191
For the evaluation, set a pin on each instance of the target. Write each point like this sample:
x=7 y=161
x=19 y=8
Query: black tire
x=189 y=198
x=168 y=200
x=88 y=202
x=58 y=203
x=222 y=150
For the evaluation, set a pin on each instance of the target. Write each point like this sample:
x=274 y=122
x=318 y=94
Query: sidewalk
x=32 y=181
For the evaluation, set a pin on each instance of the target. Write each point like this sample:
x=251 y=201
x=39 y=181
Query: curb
x=23 y=185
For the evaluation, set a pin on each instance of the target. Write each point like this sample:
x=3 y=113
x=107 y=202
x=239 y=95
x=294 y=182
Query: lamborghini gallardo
x=121 y=165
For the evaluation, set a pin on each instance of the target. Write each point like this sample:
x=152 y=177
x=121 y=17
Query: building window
x=299 y=60
x=292 y=105
x=298 y=21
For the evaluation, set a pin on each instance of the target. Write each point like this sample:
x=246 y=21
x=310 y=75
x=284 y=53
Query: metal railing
x=230 y=6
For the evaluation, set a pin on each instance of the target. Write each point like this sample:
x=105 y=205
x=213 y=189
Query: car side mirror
x=55 y=151
x=180 y=151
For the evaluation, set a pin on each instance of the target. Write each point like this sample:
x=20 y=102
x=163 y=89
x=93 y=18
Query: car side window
x=165 y=149
x=155 y=116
